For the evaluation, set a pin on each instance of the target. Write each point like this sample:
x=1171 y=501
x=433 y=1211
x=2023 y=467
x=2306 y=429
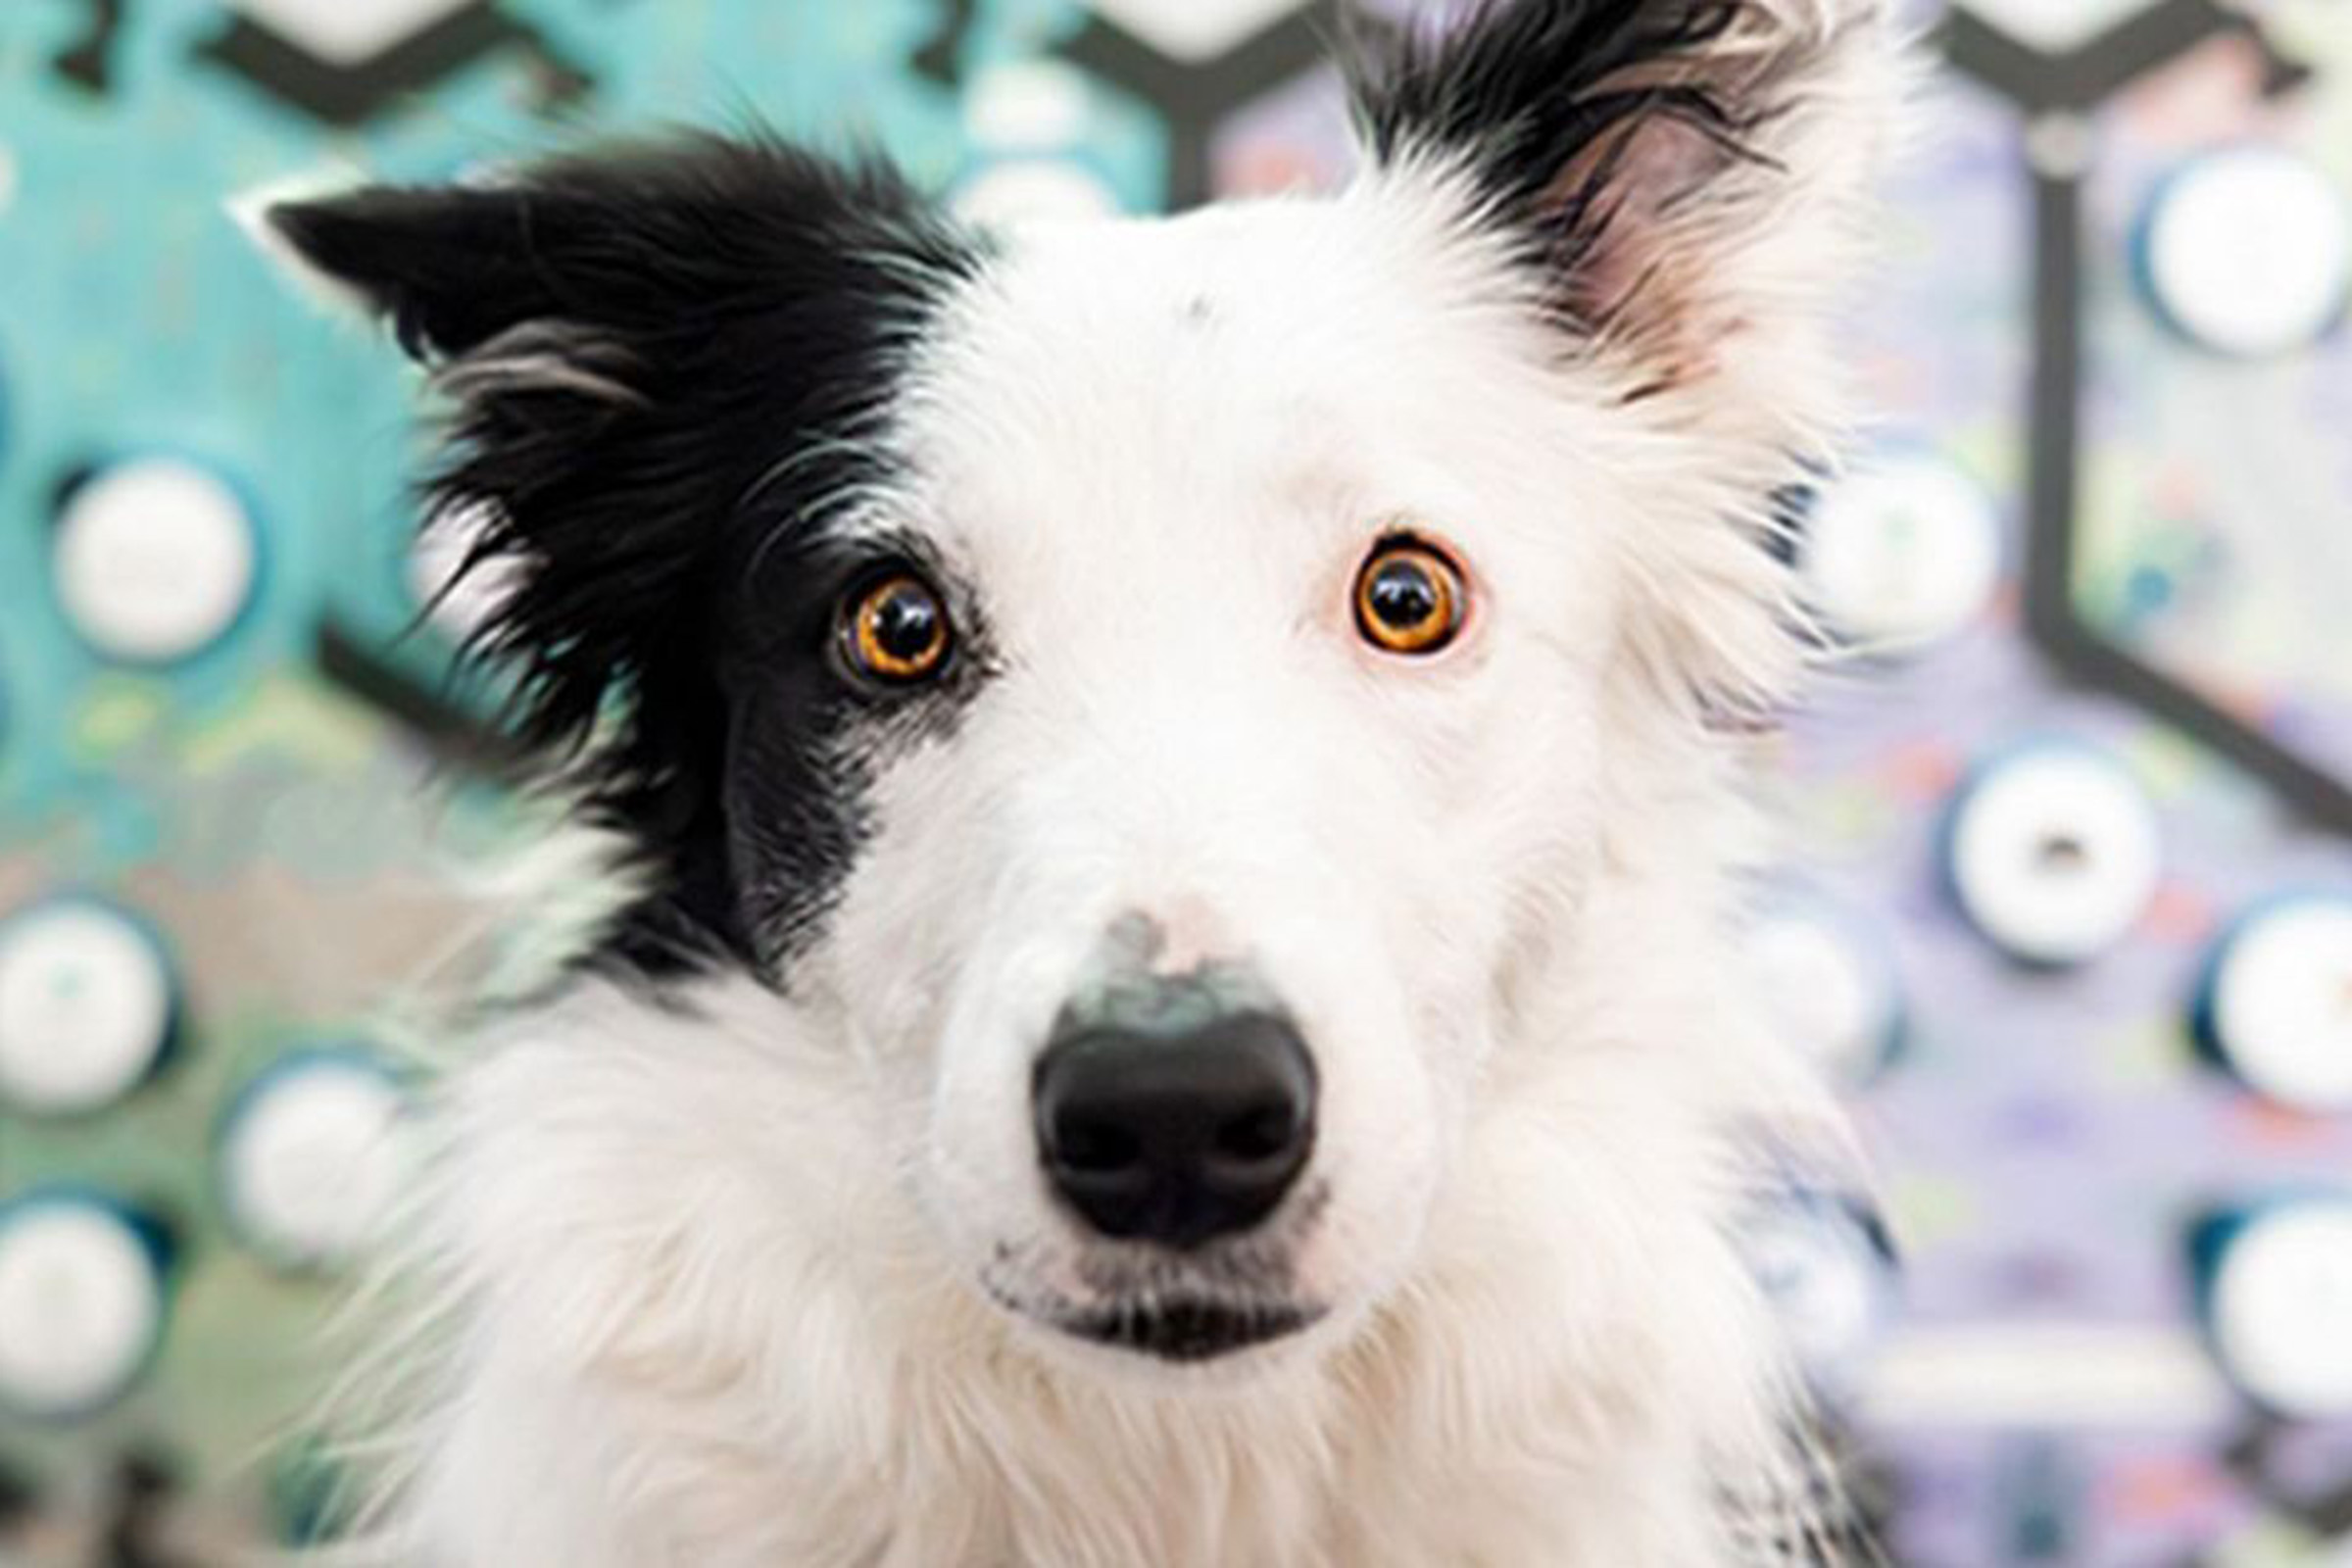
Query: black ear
x=1681 y=181
x=609 y=238
x=1671 y=166
x=662 y=361
x=448 y=267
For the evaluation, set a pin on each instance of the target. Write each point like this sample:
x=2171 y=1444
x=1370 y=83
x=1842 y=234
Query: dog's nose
x=1175 y=1137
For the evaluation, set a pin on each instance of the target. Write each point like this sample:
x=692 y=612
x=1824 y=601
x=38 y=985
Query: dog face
x=1146 y=692
x=1263 y=568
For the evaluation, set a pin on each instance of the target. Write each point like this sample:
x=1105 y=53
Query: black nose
x=1176 y=1138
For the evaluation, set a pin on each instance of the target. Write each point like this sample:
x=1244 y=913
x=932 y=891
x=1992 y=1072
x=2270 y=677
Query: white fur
x=704 y=1285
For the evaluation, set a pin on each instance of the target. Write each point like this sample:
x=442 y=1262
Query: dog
x=1177 y=788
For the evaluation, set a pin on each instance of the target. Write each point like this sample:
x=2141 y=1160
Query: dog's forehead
x=1296 y=266
x=1150 y=377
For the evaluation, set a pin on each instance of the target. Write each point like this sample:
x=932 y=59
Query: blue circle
x=257 y=581
x=341 y=1057
x=154 y=1239
x=2204 y=1022
x=1982 y=773
x=2142 y=241
x=1865 y=940
x=2214 y=1235
x=175 y=1027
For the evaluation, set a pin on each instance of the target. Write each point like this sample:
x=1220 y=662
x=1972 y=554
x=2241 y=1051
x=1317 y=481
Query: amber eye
x=895 y=630
x=1409 y=598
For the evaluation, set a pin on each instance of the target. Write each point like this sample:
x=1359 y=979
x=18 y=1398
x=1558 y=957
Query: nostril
x=1270 y=1133
x=1092 y=1146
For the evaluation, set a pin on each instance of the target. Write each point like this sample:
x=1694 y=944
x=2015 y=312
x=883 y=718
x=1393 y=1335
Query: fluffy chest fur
x=1177 y=784
x=696 y=1322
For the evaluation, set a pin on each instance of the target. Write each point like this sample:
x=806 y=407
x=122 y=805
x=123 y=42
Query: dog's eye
x=1409 y=598
x=895 y=630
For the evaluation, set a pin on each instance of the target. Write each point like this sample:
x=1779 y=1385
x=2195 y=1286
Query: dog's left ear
x=1680 y=174
x=1678 y=182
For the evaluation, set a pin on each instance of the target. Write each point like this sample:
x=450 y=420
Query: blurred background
x=2069 y=899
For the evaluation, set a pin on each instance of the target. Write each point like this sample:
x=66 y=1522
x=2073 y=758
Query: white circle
x=1900 y=553
x=1030 y=190
x=85 y=1007
x=1826 y=992
x=8 y=176
x=2249 y=251
x=2282 y=1005
x=460 y=606
x=2055 y=854
x=312 y=1160
x=1826 y=1286
x=154 y=560
x=80 y=1306
x=1025 y=105
x=2283 y=1310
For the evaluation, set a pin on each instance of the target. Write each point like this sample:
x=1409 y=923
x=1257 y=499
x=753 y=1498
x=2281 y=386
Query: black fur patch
x=666 y=362
x=1524 y=92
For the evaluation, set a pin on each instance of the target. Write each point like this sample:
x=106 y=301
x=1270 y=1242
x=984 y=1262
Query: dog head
x=1155 y=694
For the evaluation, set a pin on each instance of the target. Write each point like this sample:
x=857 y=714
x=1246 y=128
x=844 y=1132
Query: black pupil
x=1404 y=596
x=906 y=623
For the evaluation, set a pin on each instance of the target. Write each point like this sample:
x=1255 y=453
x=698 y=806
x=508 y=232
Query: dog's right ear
x=663 y=362
x=614 y=242
x=630 y=339
x=448 y=267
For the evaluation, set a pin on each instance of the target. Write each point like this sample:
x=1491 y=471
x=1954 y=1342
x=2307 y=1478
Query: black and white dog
x=1178 y=782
